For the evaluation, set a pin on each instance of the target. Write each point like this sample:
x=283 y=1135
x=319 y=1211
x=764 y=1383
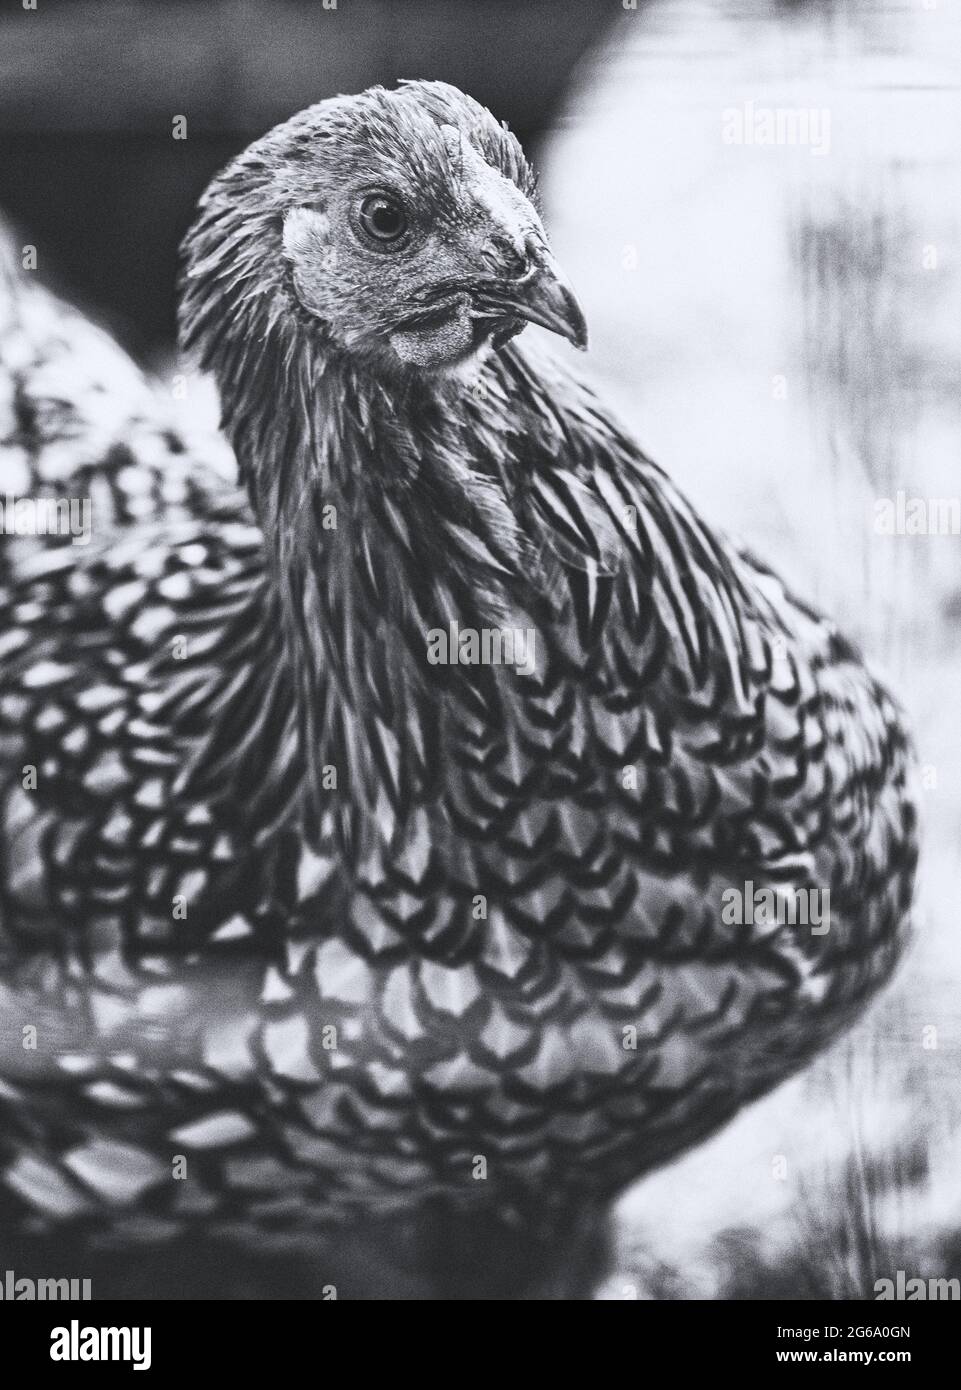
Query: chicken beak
x=541 y=295
x=549 y=300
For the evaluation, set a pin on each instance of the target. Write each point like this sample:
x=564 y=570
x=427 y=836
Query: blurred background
x=89 y=89
x=779 y=319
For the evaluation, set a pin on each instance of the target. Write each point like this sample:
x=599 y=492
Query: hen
x=373 y=839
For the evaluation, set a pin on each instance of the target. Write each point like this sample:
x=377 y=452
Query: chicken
x=381 y=844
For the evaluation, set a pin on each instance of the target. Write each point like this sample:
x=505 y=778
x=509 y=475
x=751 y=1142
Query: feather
x=411 y=906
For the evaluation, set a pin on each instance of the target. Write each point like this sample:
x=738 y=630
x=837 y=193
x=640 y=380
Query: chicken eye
x=382 y=217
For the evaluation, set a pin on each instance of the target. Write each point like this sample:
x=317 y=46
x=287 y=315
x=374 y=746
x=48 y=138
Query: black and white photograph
x=480 y=665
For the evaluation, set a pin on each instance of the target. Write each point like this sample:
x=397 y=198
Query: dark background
x=89 y=168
